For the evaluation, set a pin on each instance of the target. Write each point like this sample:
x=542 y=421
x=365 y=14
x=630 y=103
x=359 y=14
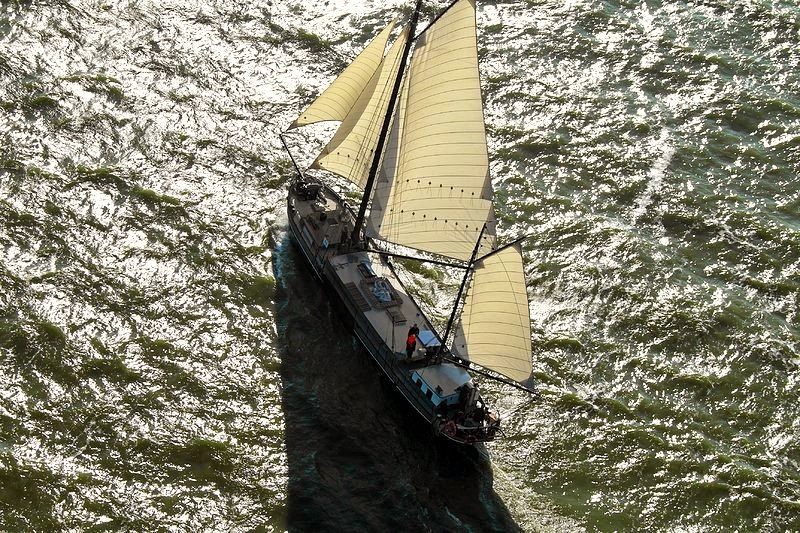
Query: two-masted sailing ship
x=412 y=138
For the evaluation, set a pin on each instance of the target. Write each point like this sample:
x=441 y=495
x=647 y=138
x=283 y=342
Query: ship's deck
x=392 y=319
x=383 y=312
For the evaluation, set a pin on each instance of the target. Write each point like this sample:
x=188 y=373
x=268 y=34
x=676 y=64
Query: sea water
x=167 y=361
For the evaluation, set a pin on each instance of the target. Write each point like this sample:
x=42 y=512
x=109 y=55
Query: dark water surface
x=167 y=363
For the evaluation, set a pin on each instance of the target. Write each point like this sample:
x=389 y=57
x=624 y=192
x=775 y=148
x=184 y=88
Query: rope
x=506 y=415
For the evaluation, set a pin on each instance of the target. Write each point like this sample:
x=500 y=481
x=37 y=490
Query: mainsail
x=340 y=97
x=435 y=194
x=495 y=328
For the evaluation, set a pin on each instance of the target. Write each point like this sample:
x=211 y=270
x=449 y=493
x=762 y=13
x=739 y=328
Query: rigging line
x=401 y=256
x=371 y=127
x=414 y=301
x=430 y=260
x=387 y=120
x=435 y=20
x=508 y=414
x=350 y=62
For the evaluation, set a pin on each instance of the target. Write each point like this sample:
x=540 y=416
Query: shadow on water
x=358 y=457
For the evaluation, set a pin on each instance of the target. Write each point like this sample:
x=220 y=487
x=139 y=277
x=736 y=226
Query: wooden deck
x=391 y=322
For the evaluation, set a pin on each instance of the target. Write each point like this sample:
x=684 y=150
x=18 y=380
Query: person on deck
x=414 y=330
x=411 y=345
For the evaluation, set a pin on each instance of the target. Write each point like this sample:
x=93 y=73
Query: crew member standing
x=411 y=345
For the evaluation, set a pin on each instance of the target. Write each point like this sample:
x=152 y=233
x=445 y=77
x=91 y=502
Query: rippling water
x=166 y=361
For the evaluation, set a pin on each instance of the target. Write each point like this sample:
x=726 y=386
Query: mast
x=461 y=289
x=286 y=146
x=376 y=158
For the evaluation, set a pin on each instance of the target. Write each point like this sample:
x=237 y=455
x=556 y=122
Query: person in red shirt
x=411 y=345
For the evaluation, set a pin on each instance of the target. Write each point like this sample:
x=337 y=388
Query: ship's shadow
x=359 y=458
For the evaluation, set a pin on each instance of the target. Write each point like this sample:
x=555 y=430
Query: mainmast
x=376 y=158
x=461 y=289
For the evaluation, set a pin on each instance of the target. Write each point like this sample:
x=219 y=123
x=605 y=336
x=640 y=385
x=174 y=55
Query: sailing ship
x=412 y=138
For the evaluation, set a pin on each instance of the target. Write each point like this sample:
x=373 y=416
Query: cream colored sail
x=384 y=184
x=495 y=328
x=340 y=97
x=351 y=150
x=438 y=194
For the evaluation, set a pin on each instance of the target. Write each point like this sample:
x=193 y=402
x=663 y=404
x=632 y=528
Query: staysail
x=435 y=193
x=495 y=327
x=340 y=97
x=352 y=148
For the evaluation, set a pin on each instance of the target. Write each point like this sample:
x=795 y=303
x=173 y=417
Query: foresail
x=340 y=97
x=495 y=327
x=435 y=194
x=351 y=150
